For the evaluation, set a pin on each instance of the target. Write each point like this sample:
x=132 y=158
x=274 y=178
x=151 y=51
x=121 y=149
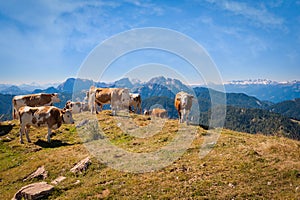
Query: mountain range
x=263 y=89
x=266 y=90
x=160 y=92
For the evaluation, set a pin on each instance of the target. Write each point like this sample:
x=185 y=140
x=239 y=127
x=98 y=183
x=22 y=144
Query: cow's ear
x=178 y=99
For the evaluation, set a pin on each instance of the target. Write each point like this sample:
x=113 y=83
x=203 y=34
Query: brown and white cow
x=183 y=104
x=33 y=100
x=76 y=107
x=158 y=112
x=136 y=102
x=118 y=98
x=49 y=116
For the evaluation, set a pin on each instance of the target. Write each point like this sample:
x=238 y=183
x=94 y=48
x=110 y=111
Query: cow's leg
x=96 y=107
x=22 y=129
x=14 y=113
x=49 y=135
x=91 y=106
x=113 y=111
x=184 y=116
x=179 y=115
x=187 y=117
x=26 y=133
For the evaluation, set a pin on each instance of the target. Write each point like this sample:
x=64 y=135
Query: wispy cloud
x=259 y=16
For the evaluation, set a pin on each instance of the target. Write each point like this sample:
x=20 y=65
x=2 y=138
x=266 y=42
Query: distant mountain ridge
x=259 y=82
x=244 y=112
x=266 y=90
x=290 y=108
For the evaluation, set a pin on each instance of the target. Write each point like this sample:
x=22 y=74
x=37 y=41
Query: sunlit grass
x=240 y=166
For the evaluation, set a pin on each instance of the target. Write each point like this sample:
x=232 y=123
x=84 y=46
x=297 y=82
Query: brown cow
x=117 y=97
x=49 y=116
x=158 y=112
x=136 y=102
x=33 y=100
x=183 y=104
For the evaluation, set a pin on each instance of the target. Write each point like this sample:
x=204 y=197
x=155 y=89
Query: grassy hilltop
x=240 y=166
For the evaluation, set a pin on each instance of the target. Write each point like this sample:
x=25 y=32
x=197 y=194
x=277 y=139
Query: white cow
x=183 y=104
x=49 y=116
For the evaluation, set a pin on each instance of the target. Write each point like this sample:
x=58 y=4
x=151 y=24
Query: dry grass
x=241 y=166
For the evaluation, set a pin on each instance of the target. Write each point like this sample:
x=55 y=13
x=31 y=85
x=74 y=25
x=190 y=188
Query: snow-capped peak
x=252 y=82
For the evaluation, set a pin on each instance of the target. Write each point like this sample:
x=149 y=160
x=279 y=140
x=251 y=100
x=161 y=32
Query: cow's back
x=103 y=95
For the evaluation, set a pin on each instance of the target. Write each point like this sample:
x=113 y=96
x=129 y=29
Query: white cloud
x=260 y=16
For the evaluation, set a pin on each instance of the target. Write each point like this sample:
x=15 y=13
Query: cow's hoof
x=21 y=142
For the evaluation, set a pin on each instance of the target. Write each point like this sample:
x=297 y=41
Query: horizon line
x=37 y=83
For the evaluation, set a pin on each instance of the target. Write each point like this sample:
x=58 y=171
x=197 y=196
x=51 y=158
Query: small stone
x=81 y=166
x=105 y=193
x=34 y=191
x=40 y=173
x=77 y=182
x=269 y=182
x=231 y=185
x=82 y=123
x=58 y=180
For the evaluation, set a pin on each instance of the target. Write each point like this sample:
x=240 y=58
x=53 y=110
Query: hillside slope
x=290 y=108
x=241 y=166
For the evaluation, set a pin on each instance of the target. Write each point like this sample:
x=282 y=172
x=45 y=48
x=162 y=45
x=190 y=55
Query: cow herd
x=38 y=110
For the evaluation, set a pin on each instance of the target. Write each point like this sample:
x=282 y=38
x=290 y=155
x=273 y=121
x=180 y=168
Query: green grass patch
x=239 y=166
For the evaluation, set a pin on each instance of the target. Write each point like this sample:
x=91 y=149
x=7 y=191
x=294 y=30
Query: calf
x=136 y=102
x=183 y=104
x=158 y=112
x=76 y=107
x=49 y=116
x=33 y=100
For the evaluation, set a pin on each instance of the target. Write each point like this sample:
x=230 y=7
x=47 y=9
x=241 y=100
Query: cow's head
x=146 y=112
x=67 y=116
x=186 y=99
x=55 y=98
x=68 y=105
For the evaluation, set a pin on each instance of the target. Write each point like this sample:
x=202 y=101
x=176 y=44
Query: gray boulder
x=34 y=191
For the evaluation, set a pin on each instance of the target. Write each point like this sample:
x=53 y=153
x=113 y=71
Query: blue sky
x=48 y=40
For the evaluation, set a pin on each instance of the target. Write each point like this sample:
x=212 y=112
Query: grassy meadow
x=240 y=166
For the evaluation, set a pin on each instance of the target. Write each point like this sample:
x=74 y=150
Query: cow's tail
x=13 y=109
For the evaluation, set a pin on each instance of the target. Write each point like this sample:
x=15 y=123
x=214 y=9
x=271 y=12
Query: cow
x=136 y=102
x=33 y=100
x=146 y=112
x=49 y=116
x=76 y=107
x=158 y=112
x=118 y=98
x=183 y=104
